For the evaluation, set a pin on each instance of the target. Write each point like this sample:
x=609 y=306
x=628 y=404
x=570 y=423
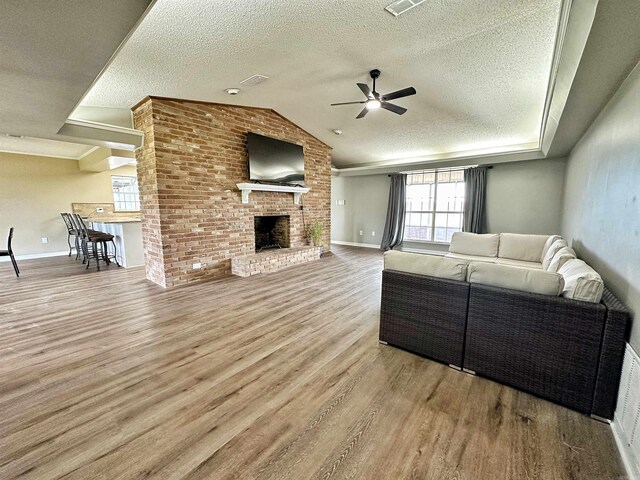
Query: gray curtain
x=475 y=192
x=394 y=225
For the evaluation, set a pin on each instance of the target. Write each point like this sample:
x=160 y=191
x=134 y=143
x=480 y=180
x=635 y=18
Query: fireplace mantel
x=247 y=188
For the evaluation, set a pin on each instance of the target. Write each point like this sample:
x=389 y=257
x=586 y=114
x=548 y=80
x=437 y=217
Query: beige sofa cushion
x=548 y=243
x=523 y=279
x=581 y=282
x=471 y=258
x=483 y=245
x=432 y=265
x=519 y=263
x=553 y=249
x=522 y=247
x=561 y=257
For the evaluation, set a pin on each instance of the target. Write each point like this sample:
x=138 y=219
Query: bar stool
x=94 y=244
x=72 y=230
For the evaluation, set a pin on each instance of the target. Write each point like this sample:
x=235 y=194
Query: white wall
x=601 y=215
x=526 y=197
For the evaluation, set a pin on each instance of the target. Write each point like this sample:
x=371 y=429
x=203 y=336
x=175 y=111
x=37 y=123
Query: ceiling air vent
x=253 y=80
x=401 y=6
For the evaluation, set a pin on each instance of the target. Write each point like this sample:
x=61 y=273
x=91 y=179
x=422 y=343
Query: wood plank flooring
x=277 y=376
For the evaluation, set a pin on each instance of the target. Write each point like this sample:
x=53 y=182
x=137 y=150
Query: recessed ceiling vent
x=253 y=80
x=401 y=6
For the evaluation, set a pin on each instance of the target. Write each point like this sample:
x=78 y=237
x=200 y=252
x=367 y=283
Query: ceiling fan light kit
x=376 y=101
x=373 y=104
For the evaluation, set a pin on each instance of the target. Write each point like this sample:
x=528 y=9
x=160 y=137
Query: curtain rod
x=451 y=169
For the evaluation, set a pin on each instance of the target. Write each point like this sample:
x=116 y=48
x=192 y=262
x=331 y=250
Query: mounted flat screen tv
x=272 y=160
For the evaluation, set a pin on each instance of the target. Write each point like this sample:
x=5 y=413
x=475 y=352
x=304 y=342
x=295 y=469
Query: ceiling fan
x=375 y=100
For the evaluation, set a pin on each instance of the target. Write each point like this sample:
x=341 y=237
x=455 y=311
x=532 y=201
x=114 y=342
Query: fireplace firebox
x=271 y=231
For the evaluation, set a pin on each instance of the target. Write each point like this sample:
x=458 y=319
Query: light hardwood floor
x=277 y=376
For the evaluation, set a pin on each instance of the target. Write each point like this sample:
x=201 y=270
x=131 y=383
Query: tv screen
x=272 y=160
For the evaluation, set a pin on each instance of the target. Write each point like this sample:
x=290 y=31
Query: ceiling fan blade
x=347 y=103
x=366 y=90
x=405 y=92
x=393 y=108
x=364 y=111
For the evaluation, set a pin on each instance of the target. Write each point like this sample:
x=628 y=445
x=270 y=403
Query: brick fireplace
x=193 y=156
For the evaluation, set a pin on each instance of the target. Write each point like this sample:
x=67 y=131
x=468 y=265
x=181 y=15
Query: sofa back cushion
x=523 y=279
x=548 y=243
x=553 y=249
x=432 y=265
x=479 y=244
x=521 y=247
x=581 y=282
x=561 y=257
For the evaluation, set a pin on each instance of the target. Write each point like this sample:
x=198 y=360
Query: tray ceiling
x=481 y=69
x=52 y=51
x=43 y=147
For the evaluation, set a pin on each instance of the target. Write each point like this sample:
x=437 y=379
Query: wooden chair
x=9 y=253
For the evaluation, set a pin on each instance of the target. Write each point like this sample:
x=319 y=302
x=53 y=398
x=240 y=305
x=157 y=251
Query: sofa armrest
x=423 y=314
x=611 y=356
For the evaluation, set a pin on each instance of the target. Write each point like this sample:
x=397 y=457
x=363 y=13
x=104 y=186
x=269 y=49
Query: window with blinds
x=435 y=201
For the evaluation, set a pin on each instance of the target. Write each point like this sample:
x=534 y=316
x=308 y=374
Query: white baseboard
x=32 y=256
x=353 y=244
x=626 y=423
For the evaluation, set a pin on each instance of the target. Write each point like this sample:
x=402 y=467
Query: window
x=125 y=193
x=435 y=200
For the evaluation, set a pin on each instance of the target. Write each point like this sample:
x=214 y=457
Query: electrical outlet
x=45 y=240
x=373 y=234
x=361 y=232
x=197 y=266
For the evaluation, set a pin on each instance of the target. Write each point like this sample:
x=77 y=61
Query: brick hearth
x=193 y=155
x=273 y=260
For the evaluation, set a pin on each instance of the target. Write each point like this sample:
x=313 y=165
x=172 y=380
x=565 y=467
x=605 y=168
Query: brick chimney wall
x=193 y=156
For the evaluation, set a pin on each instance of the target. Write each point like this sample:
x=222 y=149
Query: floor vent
x=626 y=424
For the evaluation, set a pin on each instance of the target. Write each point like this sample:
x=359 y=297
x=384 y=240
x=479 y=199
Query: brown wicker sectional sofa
x=564 y=350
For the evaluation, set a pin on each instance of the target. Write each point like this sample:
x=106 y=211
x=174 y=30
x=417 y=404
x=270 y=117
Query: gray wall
x=525 y=197
x=601 y=214
x=365 y=209
x=522 y=197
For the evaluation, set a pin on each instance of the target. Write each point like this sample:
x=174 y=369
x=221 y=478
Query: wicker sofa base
x=535 y=343
x=566 y=351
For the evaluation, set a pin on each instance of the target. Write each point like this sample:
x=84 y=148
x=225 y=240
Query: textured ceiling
x=480 y=68
x=40 y=146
